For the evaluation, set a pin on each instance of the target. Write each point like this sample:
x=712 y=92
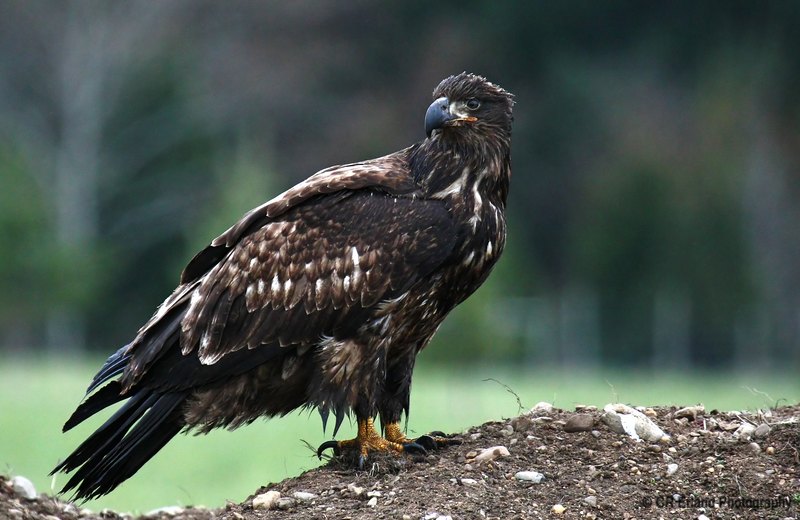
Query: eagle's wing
x=314 y=268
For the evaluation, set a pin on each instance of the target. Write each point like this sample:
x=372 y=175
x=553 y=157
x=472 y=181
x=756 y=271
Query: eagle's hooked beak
x=442 y=113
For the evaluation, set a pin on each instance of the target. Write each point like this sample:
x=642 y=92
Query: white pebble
x=671 y=469
x=591 y=500
x=558 y=509
x=23 y=487
x=166 y=510
x=529 y=476
x=702 y=517
x=542 y=406
x=356 y=490
x=304 y=496
x=373 y=502
x=268 y=500
x=492 y=453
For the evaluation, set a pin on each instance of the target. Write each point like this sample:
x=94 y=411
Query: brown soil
x=591 y=474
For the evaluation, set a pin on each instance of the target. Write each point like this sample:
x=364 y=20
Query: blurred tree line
x=655 y=198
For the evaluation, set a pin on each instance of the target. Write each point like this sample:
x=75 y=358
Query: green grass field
x=37 y=395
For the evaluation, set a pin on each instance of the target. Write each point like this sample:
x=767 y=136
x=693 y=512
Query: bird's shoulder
x=389 y=174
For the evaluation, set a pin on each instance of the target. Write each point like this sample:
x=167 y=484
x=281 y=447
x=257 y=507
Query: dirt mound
x=547 y=463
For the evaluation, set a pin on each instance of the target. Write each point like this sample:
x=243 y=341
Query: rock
x=595 y=434
x=521 y=423
x=542 y=407
x=702 y=517
x=529 y=476
x=469 y=481
x=690 y=412
x=23 y=487
x=507 y=431
x=491 y=454
x=374 y=494
x=770 y=450
x=356 y=490
x=744 y=432
x=373 y=502
x=558 y=509
x=285 y=503
x=579 y=422
x=671 y=469
x=762 y=430
x=406 y=517
x=591 y=500
x=166 y=510
x=754 y=448
x=475 y=436
x=621 y=418
x=304 y=496
x=268 y=500
x=585 y=408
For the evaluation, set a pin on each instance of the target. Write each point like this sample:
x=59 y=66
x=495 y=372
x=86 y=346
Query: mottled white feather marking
x=318 y=285
x=455 y=187
x=262 y=287
x=354 y=256
x=488 y=249
x=347 y=283
x=276 y=284
x=468 y=259
x=287 y=286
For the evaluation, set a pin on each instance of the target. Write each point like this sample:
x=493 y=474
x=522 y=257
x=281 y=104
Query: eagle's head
x=466 y=104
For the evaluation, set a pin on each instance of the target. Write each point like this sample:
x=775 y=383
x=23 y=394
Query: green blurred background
x=654 y=237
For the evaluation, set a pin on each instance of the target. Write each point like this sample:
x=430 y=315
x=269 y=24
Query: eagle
x=321 y=298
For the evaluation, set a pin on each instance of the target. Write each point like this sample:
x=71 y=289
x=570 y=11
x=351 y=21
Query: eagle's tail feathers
x=106 y=396
x=124 y=443
x=113 y=366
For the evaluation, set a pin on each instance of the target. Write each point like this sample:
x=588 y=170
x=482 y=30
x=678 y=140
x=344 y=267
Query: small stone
x=770 y=450
x=596 y=434
x=650 y=413
x=579 y=422
x=374 y=494
x=690 y=412
x=591 y=500
x=585 y=408
x=166 y=510
x=268 y=500
x=373 y=502
x=702 y=517
x=754 y=448
x=471 y=454
x=621 y=418
x=468 y=481
x=492 y=453
x=542 y=407
x=672 y=449
x=558 y=509
x=23 y=487
x=285 y=503
x=356 y=490
x=406 y=517
x=762 y=430
x=521 y=423
x=744 y=432
x=507 y=431
x=671 y=469
x=529 y=476
x=15 y=512
x=304 y=496
x=475 y=436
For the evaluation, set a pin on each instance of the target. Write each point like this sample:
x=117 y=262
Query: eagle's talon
x=337 y=450
x=426 y=442
x=415 y=448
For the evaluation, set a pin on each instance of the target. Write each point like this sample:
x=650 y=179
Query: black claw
x=426 y=442
x=329 y=444
x=415 y=448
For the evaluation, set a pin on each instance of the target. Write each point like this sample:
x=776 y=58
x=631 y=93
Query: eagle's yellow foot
x=368 y=440
x=429 y=442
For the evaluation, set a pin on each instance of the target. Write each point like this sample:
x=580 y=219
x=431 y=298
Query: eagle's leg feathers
x=430 y=442
x=369 y=440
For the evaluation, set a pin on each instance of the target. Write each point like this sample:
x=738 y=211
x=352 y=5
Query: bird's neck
x=447 y=169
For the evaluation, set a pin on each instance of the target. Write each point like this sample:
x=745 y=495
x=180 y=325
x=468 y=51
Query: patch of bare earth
x=547 y=463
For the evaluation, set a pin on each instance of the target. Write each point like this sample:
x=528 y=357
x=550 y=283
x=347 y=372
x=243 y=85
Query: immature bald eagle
x=321 y=297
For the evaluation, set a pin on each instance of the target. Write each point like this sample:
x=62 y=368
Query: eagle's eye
x=473 y=104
